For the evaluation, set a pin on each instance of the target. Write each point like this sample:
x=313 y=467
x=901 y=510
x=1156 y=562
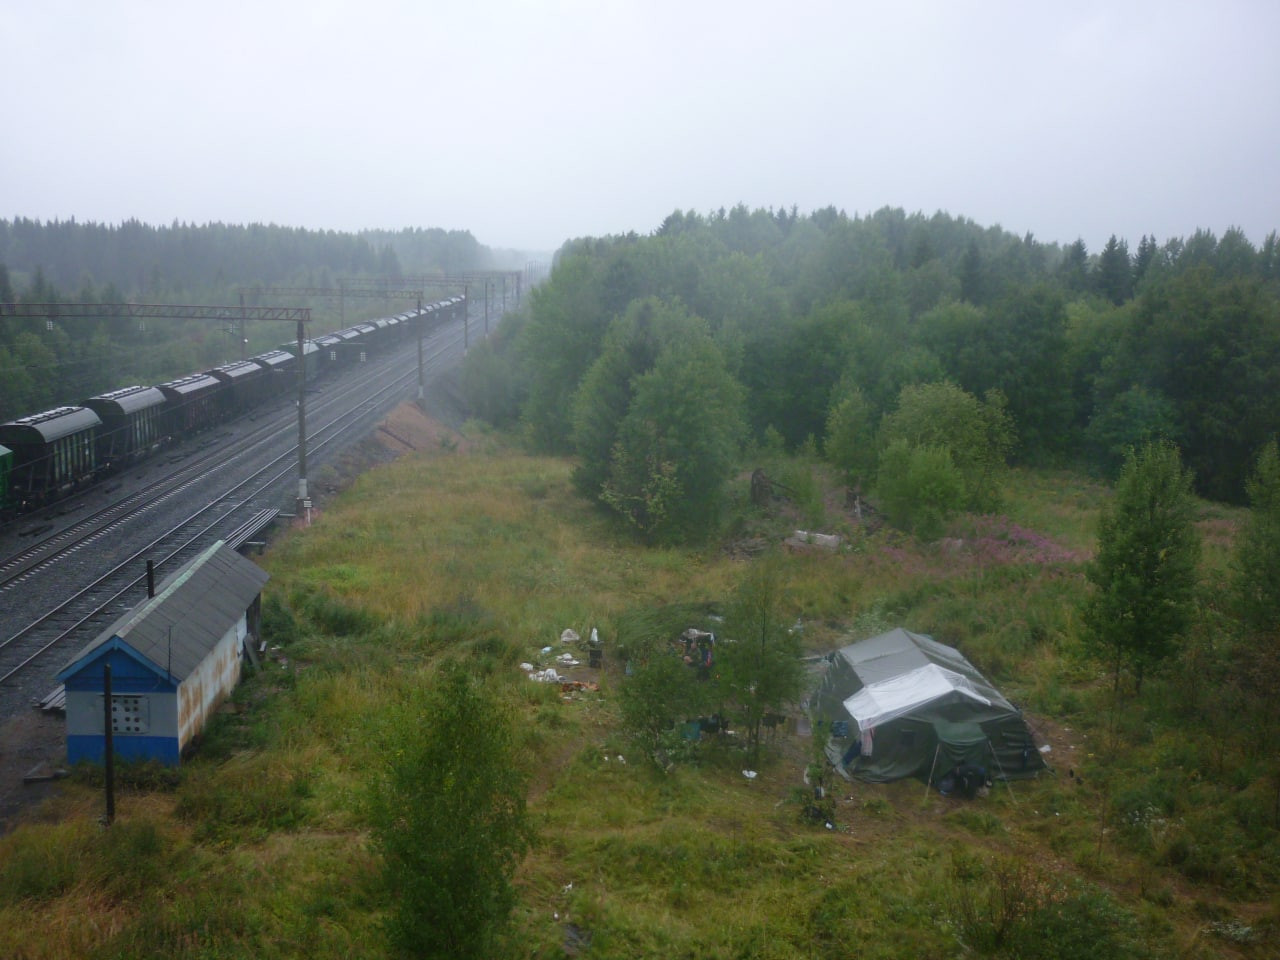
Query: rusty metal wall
x=211 y=683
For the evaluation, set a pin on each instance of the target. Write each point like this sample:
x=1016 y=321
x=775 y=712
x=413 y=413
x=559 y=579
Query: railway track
x=88 y=608
x=201 y=464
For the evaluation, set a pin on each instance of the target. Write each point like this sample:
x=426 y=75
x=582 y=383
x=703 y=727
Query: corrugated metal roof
x=178 y=627
x=126 y=400
x=49 y=425
x=192 y=384
x=238 y=370
x=273 y=359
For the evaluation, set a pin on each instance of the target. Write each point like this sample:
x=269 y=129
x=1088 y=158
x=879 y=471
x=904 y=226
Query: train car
x=133 y=424
x=310 y=352
x=425 y=320
x=53 y=452
x=362 y=341
x=7 y=506
x=350 y=346
x=246 y=385
x=332 y=354
x=194 y=403
x=409 y=322
x=282 y=370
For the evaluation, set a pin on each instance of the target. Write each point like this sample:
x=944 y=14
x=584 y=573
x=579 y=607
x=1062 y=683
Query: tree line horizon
x=68 y=261
x=926 y=344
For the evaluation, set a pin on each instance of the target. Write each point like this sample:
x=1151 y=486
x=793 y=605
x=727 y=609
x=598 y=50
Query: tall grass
x=262 y=849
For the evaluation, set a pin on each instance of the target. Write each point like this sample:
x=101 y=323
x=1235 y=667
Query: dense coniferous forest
x=824 y=319
x=42 y=365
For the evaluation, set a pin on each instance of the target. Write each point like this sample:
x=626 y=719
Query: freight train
x=50 y=454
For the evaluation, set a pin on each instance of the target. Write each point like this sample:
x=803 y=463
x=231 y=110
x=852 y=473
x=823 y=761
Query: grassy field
x=1160 y=844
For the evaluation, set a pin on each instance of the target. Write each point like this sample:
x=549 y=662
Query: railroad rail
x=99 y=602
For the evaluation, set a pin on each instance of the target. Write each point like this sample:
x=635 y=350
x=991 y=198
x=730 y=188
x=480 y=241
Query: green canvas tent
x=903 y=705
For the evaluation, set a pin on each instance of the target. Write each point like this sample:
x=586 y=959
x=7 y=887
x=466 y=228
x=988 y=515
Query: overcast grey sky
x=531 y=121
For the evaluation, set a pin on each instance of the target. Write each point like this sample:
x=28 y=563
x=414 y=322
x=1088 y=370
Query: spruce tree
x=449 y=820
x=1144 y=573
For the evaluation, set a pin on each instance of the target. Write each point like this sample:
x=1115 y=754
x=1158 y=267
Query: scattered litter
x=527 y=667
x=749 y=774
x=808 y=540
x=567 y=659
x=545 y=676
x=569 y=636
x=1047 y=748
x=567 y=887
x=42 y=772
x=595 y=637
x=546 y=649
x=621 y=758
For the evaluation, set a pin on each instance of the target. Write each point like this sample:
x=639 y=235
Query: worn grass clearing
x=261 y=849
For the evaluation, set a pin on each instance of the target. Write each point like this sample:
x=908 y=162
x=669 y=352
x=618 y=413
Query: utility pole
x=304 y=502
x=108 y=744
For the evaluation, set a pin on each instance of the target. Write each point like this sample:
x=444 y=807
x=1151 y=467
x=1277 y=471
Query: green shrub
x=449 y=821
x=920 y=487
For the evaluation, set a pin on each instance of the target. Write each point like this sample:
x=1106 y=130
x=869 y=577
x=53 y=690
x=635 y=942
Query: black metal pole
x=108 y=744
x=421 y=320
x=302 y=425
x=244 y=341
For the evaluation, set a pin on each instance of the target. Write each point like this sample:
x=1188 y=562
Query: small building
x=174 y=658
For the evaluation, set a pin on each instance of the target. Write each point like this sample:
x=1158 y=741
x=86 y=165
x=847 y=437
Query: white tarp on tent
x=878 y=703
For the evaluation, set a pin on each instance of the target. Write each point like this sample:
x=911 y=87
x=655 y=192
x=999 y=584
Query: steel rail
x=335 y=427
